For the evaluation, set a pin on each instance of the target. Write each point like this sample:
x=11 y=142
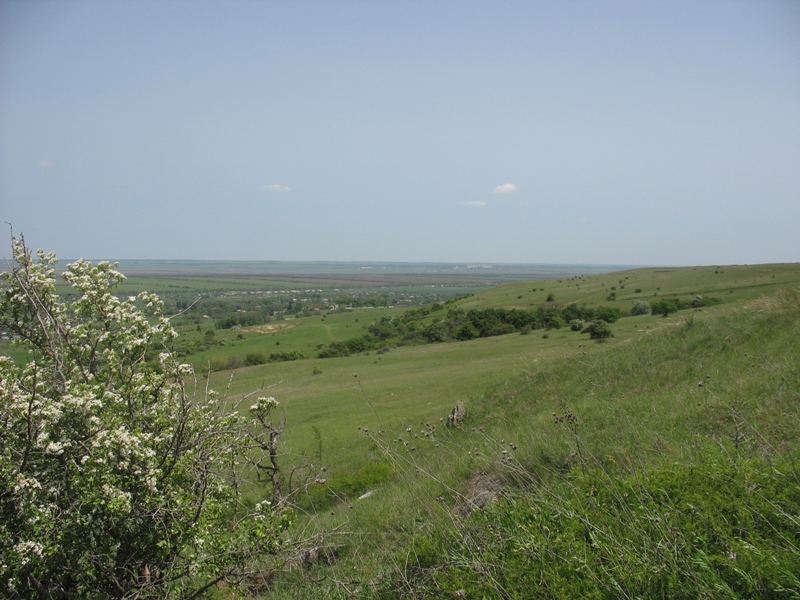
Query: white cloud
x=276 y=187
x=474 y=203
x=506 y=188
x=45 y=164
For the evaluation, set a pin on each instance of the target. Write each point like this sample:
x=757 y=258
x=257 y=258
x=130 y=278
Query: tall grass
x=665 y=468
x=710 y=529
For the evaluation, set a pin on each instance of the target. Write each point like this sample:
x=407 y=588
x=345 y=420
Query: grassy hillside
x=731 y=283
x=409 y=383
x=663 y=464
x=687 y=402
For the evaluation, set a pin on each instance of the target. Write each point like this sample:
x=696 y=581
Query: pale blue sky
x=496 y=131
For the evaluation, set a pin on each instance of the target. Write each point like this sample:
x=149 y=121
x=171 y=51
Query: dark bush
x=254 y=358
x=598 y=330
x=609 y=314
x=665 y=307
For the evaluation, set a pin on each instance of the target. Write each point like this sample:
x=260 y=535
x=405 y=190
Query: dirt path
x=270 y=328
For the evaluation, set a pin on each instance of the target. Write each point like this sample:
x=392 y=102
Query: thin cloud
x=474 y=203
x=276 y=187
x=45 y=164
x=506 y=188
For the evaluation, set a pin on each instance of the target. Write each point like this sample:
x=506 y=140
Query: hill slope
x=662 y=465
x=732 y=283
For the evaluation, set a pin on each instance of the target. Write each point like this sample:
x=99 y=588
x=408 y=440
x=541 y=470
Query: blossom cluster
x=264 y=404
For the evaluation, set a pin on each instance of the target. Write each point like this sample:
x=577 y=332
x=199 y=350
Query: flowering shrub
x=116 y=476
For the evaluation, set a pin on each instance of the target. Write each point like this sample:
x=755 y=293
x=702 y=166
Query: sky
x=570 y=132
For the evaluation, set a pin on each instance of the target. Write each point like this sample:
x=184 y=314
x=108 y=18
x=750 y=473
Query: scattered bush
x=286 y=356
x=226 y=363
x=700 y=301
x=665 y=307
x=609 y=314
x=598 y=330
x=254 y=358
x=554 y=320
x=640 y=307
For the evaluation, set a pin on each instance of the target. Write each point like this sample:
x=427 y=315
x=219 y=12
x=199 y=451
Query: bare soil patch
x=269 y=328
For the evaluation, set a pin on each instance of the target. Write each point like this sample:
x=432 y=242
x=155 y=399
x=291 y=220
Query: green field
x=214 y=276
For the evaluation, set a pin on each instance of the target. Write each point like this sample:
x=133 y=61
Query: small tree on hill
x=118 y=478
x=665 y=307
x=609 y=314
x=598 y=330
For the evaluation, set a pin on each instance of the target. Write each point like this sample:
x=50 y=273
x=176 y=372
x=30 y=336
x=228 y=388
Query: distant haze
x=569 y=132
x=296 y=271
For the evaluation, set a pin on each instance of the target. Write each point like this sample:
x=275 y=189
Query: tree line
x=456 y=324
x=416 y=327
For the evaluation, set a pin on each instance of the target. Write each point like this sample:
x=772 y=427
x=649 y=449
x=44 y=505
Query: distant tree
x=118 y=478
x=573 y=311
x=435 y=332
x=467 y=332
x=700 y=301
x=598 y=330
x=609 y=314
x=553 y=320
x=254 y=358
x=665 y=307
x=640 y=307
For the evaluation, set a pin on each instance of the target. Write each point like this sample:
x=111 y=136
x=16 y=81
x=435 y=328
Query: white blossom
x=264 y=404
x=55 y=448
x=26 y=549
